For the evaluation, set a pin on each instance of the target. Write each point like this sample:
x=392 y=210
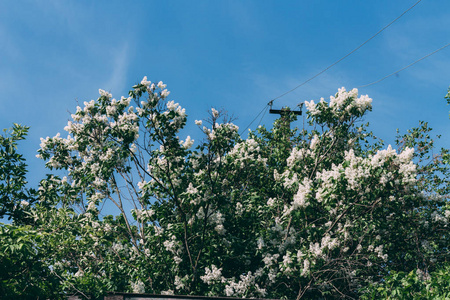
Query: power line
x=335 y=63
x=260 y=120
x=381 y=79
x=265 y=108
x=350 y=53
x=377 y=81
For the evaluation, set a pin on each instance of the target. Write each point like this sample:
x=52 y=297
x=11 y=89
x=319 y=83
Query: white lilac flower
x=161 y=85
x=239 y=208
x=220 y=229
x=188 y=142
x=215 y=113
x=179 y=283
x=191 y=189
x=165 y=93
x=314 y=142
x=260 y=243
x=312 y=107
x=104 y=93
x=211 y=274
x=110 y=111
x=91 y=206
x=300 y=199
x=145 y=81
x=171 y=105
x=138 y=287
x=141 y=184
x=79 y=273
x=305 y=270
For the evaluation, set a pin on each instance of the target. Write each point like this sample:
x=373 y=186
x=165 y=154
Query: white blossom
x=304 y=189
x=211 y=275
x=188 y=142
x=215 y=113
x=161 y=85
x=145 y=81
x=104 y=94
x=314 y=142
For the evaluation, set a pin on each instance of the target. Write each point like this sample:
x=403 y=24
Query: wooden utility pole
x=284 y=115
x=285 y=112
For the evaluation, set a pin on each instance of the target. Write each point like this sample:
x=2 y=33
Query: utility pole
x=284 y=115
x=285 y=112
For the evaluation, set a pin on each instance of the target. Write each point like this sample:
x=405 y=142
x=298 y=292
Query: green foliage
x=447 y=97
x=327 y=212
x=23 y=269
x=15 y=198
x=416 y=285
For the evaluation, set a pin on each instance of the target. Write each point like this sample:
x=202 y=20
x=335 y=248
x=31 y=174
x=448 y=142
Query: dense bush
x=324 y=212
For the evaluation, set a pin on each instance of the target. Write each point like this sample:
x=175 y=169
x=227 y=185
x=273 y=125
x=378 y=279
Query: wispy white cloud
x=120 y=62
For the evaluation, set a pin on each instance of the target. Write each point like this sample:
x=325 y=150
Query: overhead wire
x=347 y=55
x=404 y=68
x=264 y=108
x=260 y=120
x=332 y=65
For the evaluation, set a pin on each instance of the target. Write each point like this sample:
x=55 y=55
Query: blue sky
x=235 y=55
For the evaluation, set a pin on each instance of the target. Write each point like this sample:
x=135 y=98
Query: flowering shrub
x=281 y=214
x=15 y=198
x=417 y=284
